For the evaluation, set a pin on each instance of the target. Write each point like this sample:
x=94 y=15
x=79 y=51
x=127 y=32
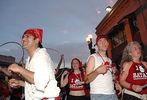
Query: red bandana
x=37 y=33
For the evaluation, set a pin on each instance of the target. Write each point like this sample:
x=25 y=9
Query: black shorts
x=70 y=97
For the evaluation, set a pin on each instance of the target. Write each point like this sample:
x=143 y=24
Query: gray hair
x=125 y=56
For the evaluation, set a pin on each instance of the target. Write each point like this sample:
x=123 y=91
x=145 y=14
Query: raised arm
x=64 y=81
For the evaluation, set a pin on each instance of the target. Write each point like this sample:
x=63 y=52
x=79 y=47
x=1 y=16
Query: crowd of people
x=99 y=79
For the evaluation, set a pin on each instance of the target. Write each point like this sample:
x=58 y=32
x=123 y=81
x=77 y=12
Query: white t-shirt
x=45 y=84
x=102 y=84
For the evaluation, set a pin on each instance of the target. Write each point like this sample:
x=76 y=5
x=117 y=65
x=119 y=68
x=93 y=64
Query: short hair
x=39 y=44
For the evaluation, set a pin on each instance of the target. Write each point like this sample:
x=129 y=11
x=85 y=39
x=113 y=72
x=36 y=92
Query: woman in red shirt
x=133 y=75
x=75 y=78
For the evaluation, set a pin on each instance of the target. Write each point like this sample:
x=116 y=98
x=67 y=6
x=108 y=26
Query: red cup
x=106 y=63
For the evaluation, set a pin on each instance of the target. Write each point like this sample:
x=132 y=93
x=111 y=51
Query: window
x=118 y=36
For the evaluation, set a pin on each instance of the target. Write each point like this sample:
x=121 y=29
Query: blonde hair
x=125 y=56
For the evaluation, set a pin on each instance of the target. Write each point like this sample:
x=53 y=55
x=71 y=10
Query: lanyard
x=101 y=57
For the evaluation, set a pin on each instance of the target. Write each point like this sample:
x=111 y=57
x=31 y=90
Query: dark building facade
x=126 y=22
x=5 y=61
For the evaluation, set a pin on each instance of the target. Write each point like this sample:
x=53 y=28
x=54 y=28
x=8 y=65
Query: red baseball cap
x=100 y=37
x=37 y=33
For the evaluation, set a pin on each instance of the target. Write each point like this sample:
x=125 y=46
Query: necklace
x=101 y=57
x=105 y=62
x=78 y=79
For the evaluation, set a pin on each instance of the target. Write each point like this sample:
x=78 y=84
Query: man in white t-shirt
x=40 y=82
x=99 y=73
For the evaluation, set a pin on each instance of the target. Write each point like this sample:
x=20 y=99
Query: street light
x=89 y=41
x=108 y=9
x=89 y=38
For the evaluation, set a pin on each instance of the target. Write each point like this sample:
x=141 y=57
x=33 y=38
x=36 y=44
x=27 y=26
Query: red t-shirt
x=138 y=75
x=73 y=78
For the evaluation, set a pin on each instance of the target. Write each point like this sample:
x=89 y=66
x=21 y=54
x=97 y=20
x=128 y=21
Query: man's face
x=102 y=44
x=28 y=41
